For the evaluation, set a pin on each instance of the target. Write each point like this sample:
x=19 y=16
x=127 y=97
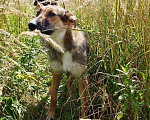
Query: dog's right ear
x=36 y=2
x=69 y=19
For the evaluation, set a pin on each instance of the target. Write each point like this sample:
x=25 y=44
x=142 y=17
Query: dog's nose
x=32 y=26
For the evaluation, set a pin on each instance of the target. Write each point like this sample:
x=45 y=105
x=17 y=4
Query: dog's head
x=51 y=18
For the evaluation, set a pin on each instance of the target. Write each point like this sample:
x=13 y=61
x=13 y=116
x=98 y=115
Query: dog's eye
x=37 y=14
x=51 y=14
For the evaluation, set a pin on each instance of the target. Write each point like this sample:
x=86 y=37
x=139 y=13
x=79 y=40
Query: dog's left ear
x=70 y=19
x=39 y=5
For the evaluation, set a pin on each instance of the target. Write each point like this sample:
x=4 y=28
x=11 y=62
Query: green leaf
x=124 y=69
x=9 y=101
x=125 y=106
x=119 y=91
x=9 y=111
x=15 y=100
x=119 y=115
x=4 y=118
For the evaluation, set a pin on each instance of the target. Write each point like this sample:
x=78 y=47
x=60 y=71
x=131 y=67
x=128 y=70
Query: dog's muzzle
x=32 y=26
x=44 y=26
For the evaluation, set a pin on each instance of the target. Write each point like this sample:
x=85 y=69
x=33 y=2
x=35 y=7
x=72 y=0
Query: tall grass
x=118 y=64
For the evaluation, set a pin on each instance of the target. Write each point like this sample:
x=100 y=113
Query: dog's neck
x=58 y=37
x=64 y=38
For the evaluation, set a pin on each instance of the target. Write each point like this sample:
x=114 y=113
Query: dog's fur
x=58 y=23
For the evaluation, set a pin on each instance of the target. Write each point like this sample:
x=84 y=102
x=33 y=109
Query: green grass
x=118 y=63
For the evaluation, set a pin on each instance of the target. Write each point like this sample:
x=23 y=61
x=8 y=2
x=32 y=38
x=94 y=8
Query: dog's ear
x=39 y=5
x=36 y=2
x=46 y=2
x=69 y=19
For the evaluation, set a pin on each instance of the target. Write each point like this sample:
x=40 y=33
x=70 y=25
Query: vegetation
x=118 y=64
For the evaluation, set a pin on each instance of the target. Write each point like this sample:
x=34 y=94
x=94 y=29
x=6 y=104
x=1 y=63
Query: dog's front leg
x=54 y=89
x=69 y=84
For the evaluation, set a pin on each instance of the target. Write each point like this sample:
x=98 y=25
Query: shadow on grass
x=37 y=111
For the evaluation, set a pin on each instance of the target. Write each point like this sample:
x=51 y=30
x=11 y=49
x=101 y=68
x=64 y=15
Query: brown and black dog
x=62 y=27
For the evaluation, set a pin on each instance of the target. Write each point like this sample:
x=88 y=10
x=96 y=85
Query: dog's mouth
x=45 y=27
x=48 y=31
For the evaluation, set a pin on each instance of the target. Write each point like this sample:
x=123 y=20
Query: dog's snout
x=32 y=26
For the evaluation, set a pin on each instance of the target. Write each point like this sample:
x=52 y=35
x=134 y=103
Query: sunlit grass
x=118 y=64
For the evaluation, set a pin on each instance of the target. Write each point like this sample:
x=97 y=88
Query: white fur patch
x=67 y=61
x=74 y=68
x=58 y=36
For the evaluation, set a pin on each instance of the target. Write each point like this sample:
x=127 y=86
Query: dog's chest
x=58 y=37
x=61 y=62
x=72 y=58
x=67 y=61
x=66 y=58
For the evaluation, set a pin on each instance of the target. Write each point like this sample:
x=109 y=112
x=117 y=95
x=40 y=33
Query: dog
x=62 y=27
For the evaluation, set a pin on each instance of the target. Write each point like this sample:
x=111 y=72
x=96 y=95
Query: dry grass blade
x=4 y=32
x=12 y=37
x=12 y=8
x=46 y=38
x=29 y=33
x=16 y=12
